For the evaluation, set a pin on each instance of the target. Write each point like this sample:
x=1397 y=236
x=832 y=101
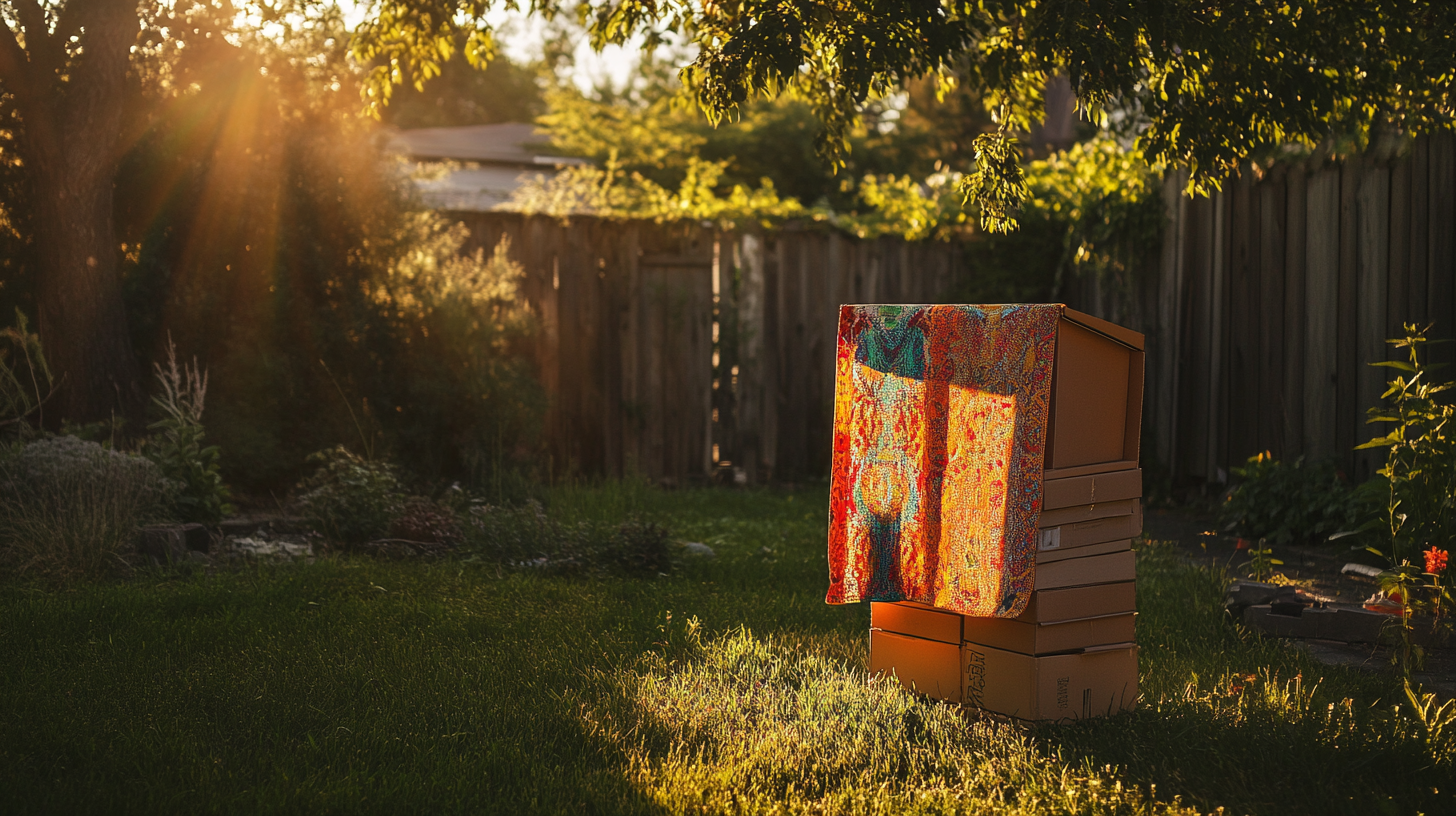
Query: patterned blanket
x=940 y=417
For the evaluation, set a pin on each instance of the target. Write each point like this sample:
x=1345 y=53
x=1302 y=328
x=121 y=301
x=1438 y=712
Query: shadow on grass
x=1231 y=719
x=350 y=688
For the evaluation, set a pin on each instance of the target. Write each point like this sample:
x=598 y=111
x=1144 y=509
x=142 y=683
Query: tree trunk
x=70 y=139
x=82 y=321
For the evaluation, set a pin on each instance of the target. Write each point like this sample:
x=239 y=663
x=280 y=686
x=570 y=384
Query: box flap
x=1122 y=335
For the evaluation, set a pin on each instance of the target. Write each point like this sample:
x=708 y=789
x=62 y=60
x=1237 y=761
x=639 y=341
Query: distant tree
x=462 y=95
x=1210 y=80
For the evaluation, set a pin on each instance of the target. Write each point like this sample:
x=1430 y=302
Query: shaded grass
x=358 y=686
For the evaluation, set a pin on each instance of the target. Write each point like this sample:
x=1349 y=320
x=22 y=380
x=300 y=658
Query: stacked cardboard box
x=1072 y=653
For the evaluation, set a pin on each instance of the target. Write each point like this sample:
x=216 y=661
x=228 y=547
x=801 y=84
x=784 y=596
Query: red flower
x=1436 y=561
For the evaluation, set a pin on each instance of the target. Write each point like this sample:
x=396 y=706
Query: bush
x=70 y=508
x=1289 y=502
x=177 y=444
x=350 y=499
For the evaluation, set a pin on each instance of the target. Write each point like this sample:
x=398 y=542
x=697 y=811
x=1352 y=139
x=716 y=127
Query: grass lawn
x=360 y=686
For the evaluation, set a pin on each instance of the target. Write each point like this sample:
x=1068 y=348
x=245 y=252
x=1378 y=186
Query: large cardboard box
x=1075 y=603
x=927 y=666
x=1083 y=533
x=1096 y=400
x=1059 y=688
x=1098 y=487
x=1091 y=683
x=1047 y=606
x=919 y=620
x=1088 y=512
x=1100 y=548
x=1050 y=638
x=1095 y=569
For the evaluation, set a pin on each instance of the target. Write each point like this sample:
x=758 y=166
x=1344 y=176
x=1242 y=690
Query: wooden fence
x=680 y=352
x=1269 y=300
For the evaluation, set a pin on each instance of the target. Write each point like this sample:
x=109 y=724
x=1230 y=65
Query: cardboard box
x=925 y=666
x=1076 y=603
x=1058 y=688
x=1084 y=533
x=1100 y=548
x=1101 y=487
x=1050 y=638
x=1095 y=569
x=919 y=620
x=1097 y=394
x=1088 y=512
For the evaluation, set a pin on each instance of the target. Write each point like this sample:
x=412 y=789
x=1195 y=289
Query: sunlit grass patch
x=752 y=724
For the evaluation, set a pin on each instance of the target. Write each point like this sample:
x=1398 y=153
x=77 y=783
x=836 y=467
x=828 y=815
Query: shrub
x=70 y=508
x=1288 y=502
x=350 y=499
x=177 y=445
x=1417 y=485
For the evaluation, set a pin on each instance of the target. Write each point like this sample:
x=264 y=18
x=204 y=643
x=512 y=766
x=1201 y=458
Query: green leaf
x=1397 y=364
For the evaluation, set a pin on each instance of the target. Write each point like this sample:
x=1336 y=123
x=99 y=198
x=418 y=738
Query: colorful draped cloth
x=940 y=417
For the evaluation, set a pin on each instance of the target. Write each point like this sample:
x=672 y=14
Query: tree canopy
x=1207 y=82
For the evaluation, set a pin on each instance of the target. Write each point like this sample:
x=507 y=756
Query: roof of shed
x=513 y=143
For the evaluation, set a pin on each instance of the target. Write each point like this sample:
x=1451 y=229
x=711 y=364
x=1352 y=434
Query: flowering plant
x=1435 y=566
x=1436 y=561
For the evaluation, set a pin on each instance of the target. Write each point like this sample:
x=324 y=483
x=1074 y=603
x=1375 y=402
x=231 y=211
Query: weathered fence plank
x=1321 y=313
x=1243 y=320
x=1270 y=286
x=1372 y=284
x=1297 y=188
x=1441 y=243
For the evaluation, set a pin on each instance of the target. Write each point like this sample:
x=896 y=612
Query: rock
x=1345 y=624
x=240 y=527
x=1363 y=570
x=1243 y=594
x=164 y=543
x=197 y=538
x=277 y=548
x=1262 y=617
x=699 y=548
x=198 y=557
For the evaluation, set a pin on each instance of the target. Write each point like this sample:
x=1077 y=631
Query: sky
x=520 y=36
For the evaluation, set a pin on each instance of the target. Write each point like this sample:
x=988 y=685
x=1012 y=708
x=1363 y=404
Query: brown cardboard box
x=1094 y=569
x=1076 y=603
x=918 y=620
x=1097 y=531
x=1049 y=638
x=1059 y=688
x=1097 y=393
x=1088 y=512
x=927 y=666
x=1100 y=548
x=1100 y=487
